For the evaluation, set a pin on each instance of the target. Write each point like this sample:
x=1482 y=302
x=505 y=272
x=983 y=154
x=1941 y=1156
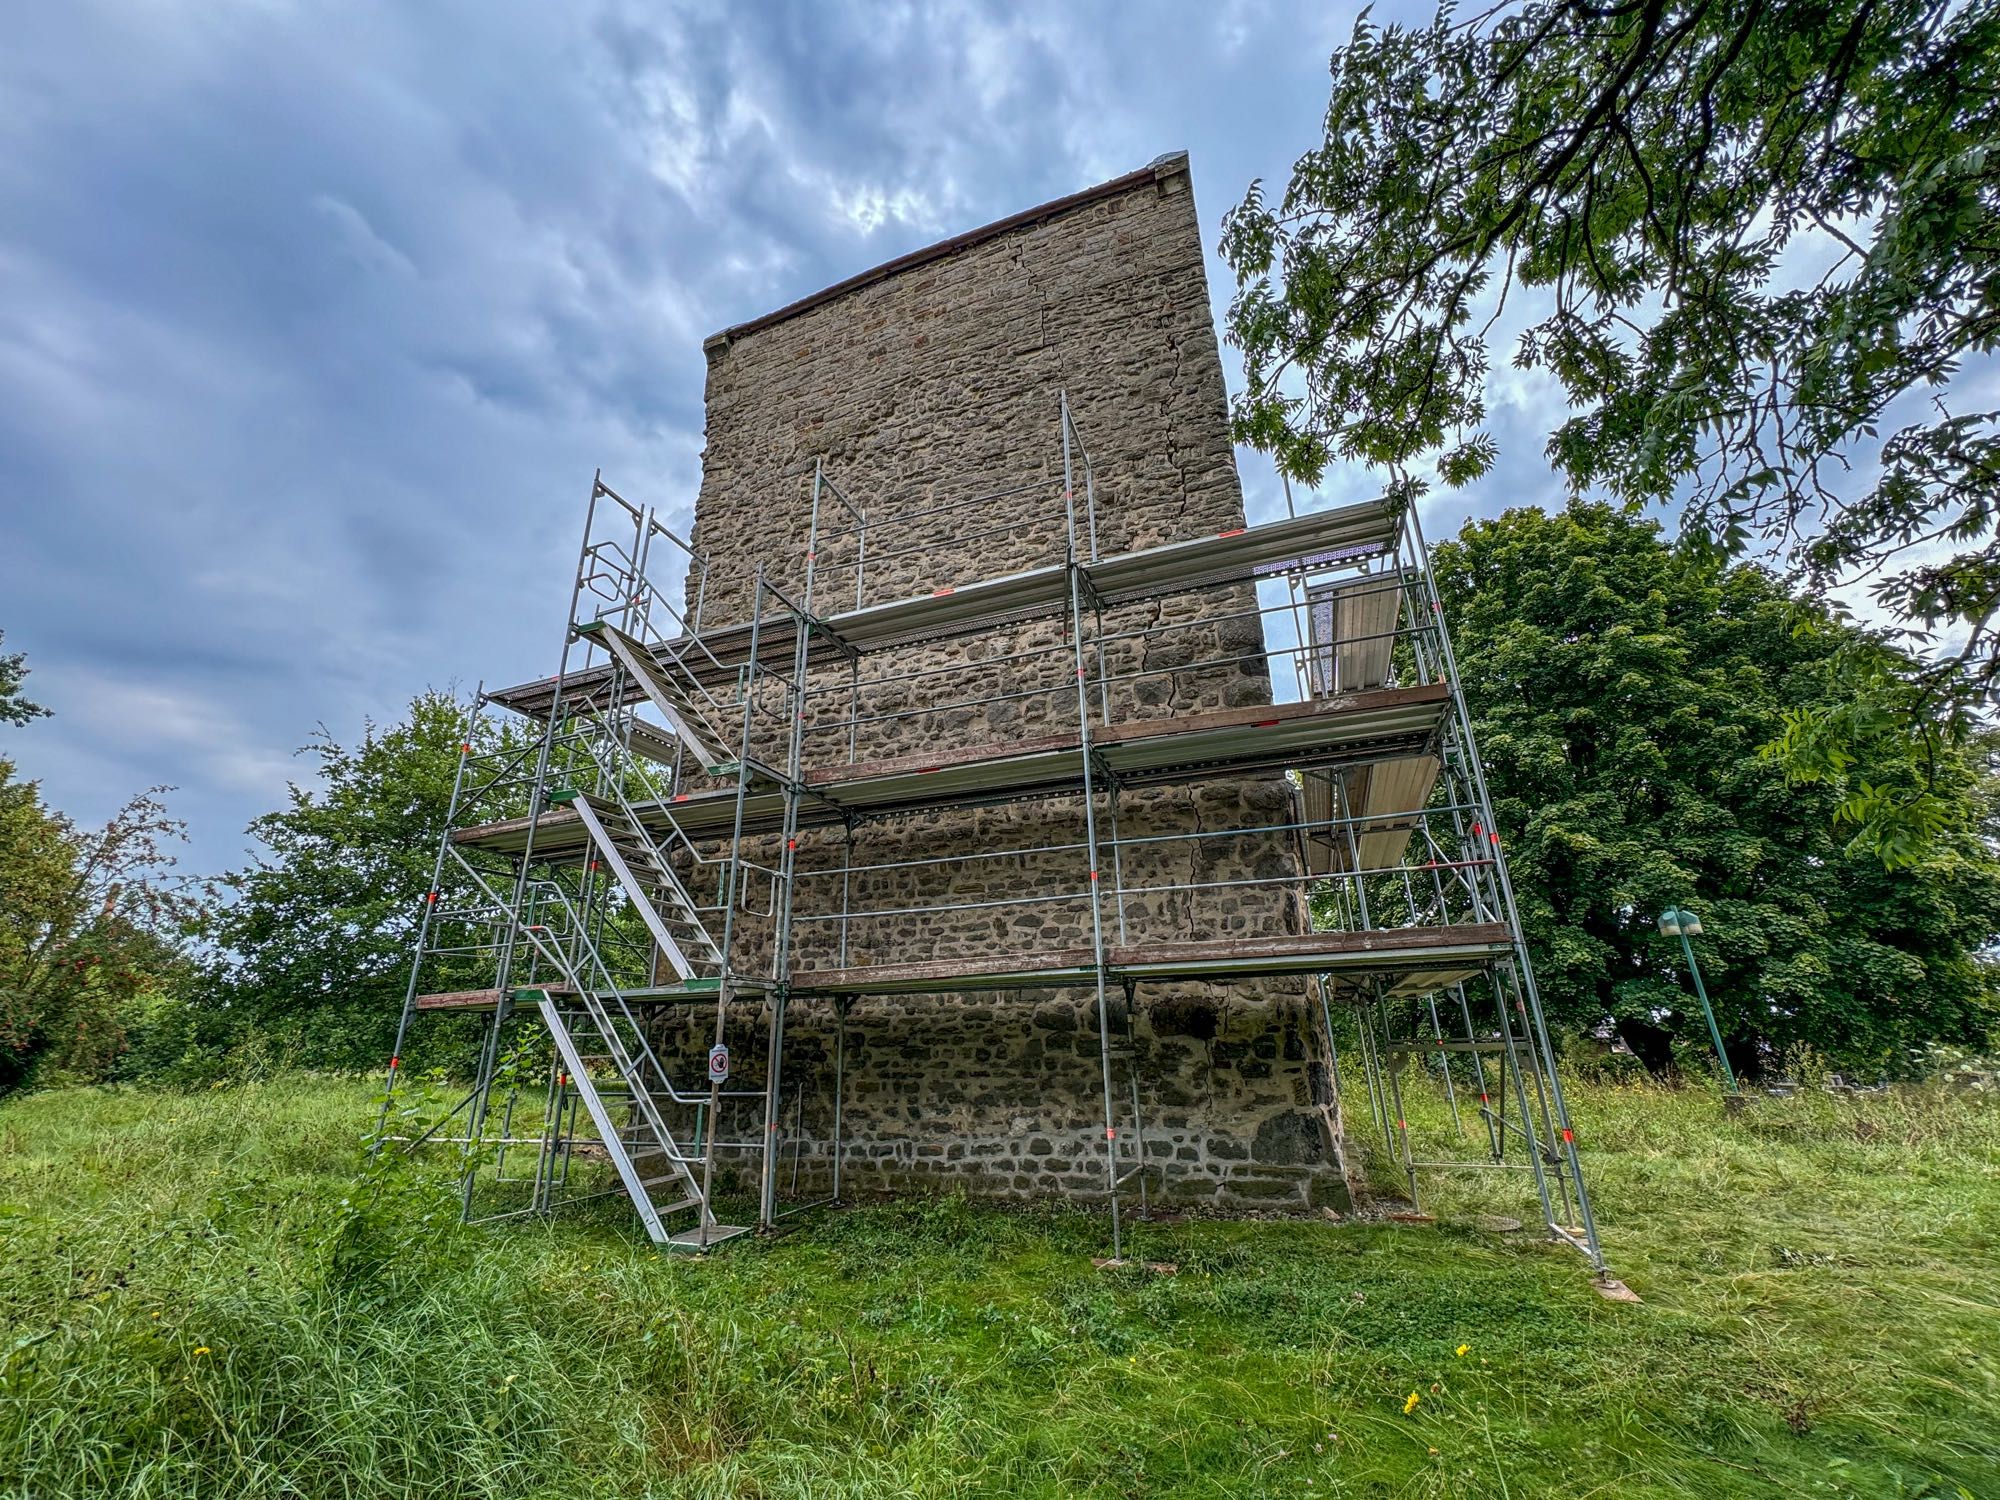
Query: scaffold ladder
x=635 y=1146
x=593 y=1027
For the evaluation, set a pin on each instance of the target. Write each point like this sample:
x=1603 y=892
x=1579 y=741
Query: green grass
x=193 y=1310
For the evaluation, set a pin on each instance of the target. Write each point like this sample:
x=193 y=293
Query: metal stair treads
x=663 y=903
x=675 y=704
x=648 y=1132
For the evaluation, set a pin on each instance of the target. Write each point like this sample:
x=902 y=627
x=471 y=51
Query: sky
x=316 y=319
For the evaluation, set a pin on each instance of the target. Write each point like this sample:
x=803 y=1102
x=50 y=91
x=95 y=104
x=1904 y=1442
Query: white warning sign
x=718 y=1063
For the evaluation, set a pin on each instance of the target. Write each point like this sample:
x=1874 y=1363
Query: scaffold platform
x=1356 y=728
x=1241 y=555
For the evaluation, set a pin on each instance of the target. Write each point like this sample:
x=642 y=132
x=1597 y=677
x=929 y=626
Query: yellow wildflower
x=1463 y=1350
x=1411 y=1404
x=201 y=1349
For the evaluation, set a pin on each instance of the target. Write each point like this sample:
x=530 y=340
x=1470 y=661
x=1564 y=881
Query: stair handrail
x=538 y=935
x=657 y=859
x=670 y=657
x=662 y=808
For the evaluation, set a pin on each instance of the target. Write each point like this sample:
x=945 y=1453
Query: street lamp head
x=1677 y=921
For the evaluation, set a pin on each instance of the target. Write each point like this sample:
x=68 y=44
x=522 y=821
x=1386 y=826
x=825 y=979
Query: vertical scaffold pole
x=767 y=1207
x=781 y=946
x=1090 y=844
x=1138 y=1115
x=731 y=881
x=841 y=1006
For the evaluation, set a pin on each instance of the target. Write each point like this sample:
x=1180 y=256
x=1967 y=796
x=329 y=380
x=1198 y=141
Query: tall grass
x=202 y=1299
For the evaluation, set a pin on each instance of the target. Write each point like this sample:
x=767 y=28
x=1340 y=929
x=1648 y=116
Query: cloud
x=314 y=323
x=189 y=736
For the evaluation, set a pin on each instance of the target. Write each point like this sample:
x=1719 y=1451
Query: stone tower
x=937 y=377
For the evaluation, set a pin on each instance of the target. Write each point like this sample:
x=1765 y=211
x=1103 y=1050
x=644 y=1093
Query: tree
x=14 y=709
x=1620 y=689
x=319 y=933
x=91 y=923
x=1755 y=240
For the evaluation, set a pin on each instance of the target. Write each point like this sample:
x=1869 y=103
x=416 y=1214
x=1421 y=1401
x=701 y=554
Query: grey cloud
x=314 y=322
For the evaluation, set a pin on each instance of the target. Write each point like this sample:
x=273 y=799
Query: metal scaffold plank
x=1379 y=804
x=1320 y=539
x=1442 y=951
x=1354 y=728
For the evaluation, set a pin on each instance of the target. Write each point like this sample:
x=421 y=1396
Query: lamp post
x=1677 y=921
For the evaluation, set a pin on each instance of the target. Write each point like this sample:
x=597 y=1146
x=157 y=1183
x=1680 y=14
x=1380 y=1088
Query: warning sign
x=718 y=1063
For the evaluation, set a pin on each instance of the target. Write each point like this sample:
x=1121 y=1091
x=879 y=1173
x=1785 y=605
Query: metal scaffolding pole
x=1524 y=970
x=795 y=714
x=1090 y=840
x=732 y=898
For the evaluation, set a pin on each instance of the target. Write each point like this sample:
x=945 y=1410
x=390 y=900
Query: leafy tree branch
x=1761 y=240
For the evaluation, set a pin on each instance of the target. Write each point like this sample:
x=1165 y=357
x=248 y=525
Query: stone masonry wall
x=935 y=383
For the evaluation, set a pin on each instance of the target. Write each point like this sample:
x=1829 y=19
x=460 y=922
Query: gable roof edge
x=1157 y=170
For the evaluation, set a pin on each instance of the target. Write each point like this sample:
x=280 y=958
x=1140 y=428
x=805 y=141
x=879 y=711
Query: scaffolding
x=670 y=825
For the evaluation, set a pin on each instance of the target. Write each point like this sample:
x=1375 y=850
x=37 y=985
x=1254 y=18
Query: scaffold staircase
x=630 y=1109
x=642 y=1150
x=688 y=709
x=646 y=875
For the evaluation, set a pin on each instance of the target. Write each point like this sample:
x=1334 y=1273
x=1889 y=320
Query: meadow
x=207 y=1295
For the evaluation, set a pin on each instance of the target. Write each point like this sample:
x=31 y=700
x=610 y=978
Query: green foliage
x=14 y=709
x=93 y=922
x=91 y=928
x=1870 y=723
x=203 y=1300
x=1750 y=238
x=318 y=935
x=1620 y=690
